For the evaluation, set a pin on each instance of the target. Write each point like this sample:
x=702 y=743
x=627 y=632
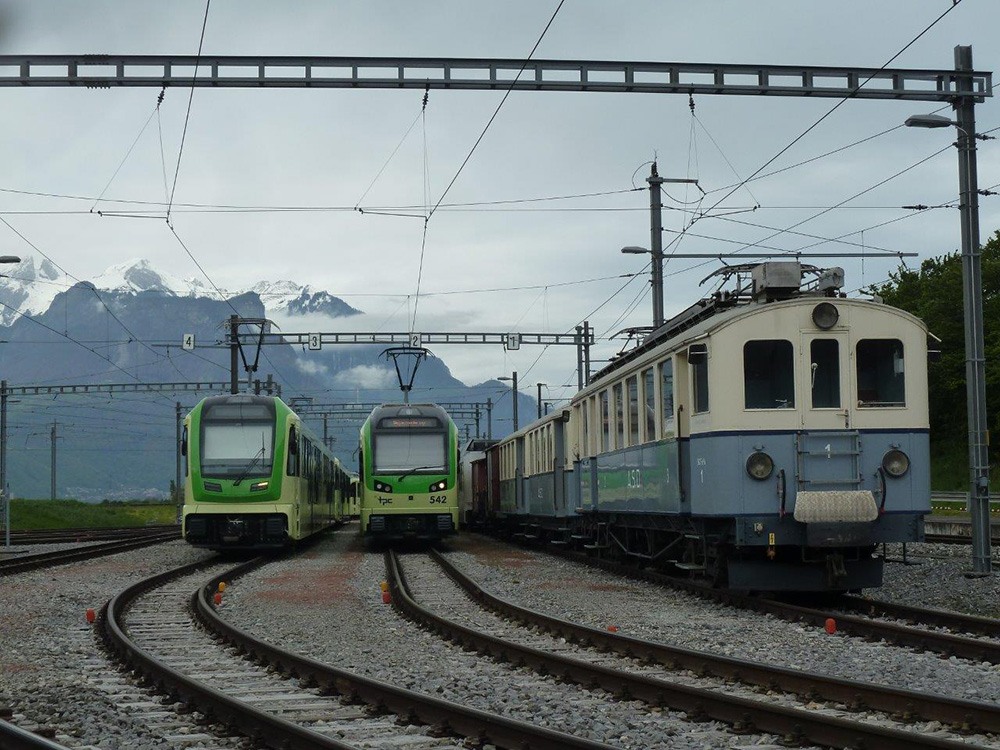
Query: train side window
x=293 y=452
x=584 y=412
x=666 y=368
x=605 y=423
x=880 y=373
x=698 y=358
x=619 y=417
x=824 y=371
x=632 y=384
x=594 y=429
x=649 y=404
x=769 y=374
x=184 y=452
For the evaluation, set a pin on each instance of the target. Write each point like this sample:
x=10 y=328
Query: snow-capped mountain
x=30 y=287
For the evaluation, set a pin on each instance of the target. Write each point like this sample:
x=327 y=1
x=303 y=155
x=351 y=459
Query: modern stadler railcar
x=408 y=462
x=256 y=476
x=766 y=438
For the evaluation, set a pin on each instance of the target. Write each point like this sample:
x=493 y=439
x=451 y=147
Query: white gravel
x=52 y=673
x=328 y=605
x=583 y=594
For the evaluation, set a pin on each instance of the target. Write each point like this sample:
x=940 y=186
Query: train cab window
x=649 y=404
x=633 y=410
x=824 y=371
x=698 y=359
x=619 y=417
x=880 y=373
x=769 y=374
x=666 y=368
x=605 y=422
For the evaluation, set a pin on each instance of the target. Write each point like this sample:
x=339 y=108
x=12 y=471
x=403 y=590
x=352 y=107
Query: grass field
x=72 y=514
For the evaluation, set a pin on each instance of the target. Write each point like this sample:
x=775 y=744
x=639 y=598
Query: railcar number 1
x=442 y=499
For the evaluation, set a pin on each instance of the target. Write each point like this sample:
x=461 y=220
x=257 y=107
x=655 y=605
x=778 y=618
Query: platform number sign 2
x=416 y=340
x=315 y=342
x=187 y=342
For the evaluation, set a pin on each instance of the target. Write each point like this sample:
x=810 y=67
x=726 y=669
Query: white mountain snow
x=30 y=287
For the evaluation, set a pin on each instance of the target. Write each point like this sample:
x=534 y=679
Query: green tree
x=934 y=294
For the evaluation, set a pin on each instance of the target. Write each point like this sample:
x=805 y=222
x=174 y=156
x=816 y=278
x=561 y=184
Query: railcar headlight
x=825 y=315
x=382 y=487
x=259 y=486
x=759 y=465
x=896 y=463
x=438 y=486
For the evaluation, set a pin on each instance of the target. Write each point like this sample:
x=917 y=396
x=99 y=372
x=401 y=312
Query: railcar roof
x=410 y=410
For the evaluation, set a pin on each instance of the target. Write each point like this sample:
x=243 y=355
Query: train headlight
x=259 y=486
x=382 y=487
x=759 y=465
x=896 y=463
x=825 y=315
x=438 y=486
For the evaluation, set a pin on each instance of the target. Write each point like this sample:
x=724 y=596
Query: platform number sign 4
x=513 y=341
x=315 y=342
x=187 y=342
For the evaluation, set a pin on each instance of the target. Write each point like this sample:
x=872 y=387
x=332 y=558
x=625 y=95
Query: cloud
x=366 y=376
x=311 y=367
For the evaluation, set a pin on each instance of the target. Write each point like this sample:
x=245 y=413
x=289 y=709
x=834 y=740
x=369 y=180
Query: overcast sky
x=324 y=147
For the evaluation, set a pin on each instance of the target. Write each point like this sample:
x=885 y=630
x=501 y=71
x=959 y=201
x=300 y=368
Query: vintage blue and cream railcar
x=767 y=439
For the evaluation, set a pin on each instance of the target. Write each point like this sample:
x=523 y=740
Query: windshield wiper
x=249 y=467
x=418 y=468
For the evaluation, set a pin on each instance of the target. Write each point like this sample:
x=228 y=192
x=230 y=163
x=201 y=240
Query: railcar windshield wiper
x=418 y=468
x=253 y=462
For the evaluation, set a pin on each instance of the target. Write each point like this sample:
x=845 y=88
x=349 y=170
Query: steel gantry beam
x=81 y=389
x=256 y=71
x=508 y=340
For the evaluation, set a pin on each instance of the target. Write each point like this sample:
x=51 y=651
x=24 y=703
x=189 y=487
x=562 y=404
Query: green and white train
x=408 y=462
x=256 y=477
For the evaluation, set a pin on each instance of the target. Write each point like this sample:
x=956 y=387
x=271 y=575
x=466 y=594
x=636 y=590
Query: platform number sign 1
x=513 y=341
x=187 y=342
x=315 y=342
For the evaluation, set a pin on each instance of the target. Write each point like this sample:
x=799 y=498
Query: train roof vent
x=776 y=280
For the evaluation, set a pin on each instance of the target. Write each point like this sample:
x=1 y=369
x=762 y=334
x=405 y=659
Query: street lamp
x=9 y=259
x=540 y=386
x=972 y=294
x=513 y=382
x=656 y=271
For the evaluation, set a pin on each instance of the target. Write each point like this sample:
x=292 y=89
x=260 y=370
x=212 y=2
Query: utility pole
x=514 y=387
x=656 y=243
x=579 y=358
x=972 y=294
x=178 y=491
x=540 y=385
x=477 y=421
x=326 y=431
x=489 y=418
x=52 y=469
x=3 y=464
x=234 y=354
x=586 y=352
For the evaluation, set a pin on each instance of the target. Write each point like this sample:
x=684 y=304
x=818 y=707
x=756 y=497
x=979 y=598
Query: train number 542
x=441 y=499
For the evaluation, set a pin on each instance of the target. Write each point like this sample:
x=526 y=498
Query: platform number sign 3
x=315 y=342
x=187 y=342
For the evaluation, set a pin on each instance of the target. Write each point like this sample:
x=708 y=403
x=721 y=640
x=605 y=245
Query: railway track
x=862 y=625
x=26 y=562
x=167 y=628
x=15 y=738
x=632 y=677
x=60 y=536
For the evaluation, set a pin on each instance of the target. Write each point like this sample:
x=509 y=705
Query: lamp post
x=972 y=294
x=540 y=386
x=656 y=271
x=513 y=388
x=3 y=440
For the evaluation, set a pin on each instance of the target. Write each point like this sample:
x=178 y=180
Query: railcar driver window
x=880 y=373
x=769 y=375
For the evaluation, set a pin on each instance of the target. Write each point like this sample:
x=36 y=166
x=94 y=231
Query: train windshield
x=411 y=453
x=237 y=440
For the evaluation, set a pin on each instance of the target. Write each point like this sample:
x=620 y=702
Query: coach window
x=666 y=368
x=768 y=375
x=880 y=373
x=605 y=423
x=649 y=404
x=698 y=358
x=633 y=409
x=619 y=417
x=824 y=370
x=584 y=411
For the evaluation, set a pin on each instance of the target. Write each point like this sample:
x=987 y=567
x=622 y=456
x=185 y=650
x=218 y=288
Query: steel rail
x=481 y=726
x=61 y=557
x=57 y=536
x=945 y=644
x=743 y=714
x=964 y=715
x=959 y=621
x=14 y=738
x=262 y=727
